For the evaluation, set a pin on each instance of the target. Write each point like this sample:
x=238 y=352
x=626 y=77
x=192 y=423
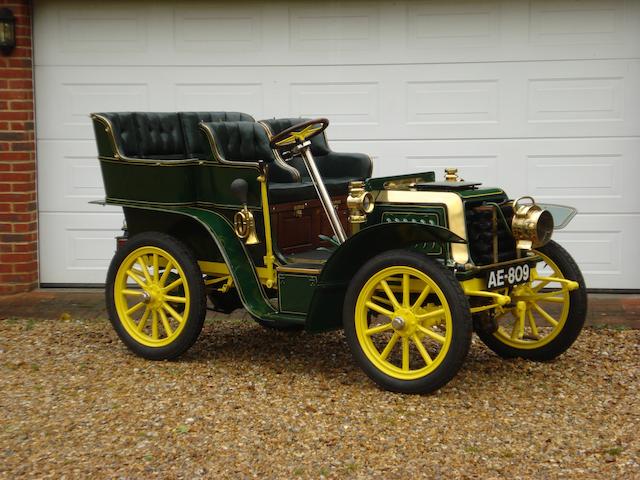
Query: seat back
x=159 y=135
x=124 y=131
x=196 y=144
x=238 y=142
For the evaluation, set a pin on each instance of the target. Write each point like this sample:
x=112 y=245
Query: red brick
x=25 y=227
x=23 y=164
x=15 y=73
x=11 y=136
x=6 y=268
x=17 y=197
x=25 y=247
x=28 y=267
x=20 y=207
x=4 y=126
x=22 y=146
x=17 y=257
x=26 y=84
x=16 y=115
x=17 y=95
x=18 y=237
x=16 y=217
x=21 y=105
x=23 y=187
x=16 y=156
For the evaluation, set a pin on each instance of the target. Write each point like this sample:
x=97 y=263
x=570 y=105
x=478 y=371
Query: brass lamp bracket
x=359 y=201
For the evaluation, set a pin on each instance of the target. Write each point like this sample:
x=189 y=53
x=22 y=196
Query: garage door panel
x=69 y=177
x=242 y=97
x=77 y=247
x=600 y=244
x=334 y=33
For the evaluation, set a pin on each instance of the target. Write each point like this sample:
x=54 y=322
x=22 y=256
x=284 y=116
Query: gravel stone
x=245 y=402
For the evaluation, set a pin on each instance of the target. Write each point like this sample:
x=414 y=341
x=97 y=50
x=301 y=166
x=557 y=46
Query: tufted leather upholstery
x=164 y=136
x=195 y=143
x=239 y=142
x=124 y=130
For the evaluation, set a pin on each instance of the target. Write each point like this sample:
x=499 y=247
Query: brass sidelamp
x=359 y=201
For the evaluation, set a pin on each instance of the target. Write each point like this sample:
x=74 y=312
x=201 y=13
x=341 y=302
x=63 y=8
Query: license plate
x=507 y=276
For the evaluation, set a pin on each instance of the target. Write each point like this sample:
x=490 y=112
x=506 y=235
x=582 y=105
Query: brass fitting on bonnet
x=532 y=225
x=359 y=201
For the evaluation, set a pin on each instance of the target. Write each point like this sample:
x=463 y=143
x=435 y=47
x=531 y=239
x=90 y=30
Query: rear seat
x=164 y=135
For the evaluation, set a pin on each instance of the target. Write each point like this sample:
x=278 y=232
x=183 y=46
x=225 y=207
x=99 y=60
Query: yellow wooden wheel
x=548 y=311
x=407 y=322
x=155 y=295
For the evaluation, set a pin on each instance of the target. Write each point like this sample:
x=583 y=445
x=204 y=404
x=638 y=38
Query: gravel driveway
x=246 y=402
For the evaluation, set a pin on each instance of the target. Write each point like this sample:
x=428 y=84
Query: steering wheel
x=299 y=133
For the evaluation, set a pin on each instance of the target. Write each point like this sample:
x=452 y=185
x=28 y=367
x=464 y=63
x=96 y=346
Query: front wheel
x=552 y=310
x=407 y=322
x=155 y=296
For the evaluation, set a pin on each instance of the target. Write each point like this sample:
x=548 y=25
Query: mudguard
x=325 y=312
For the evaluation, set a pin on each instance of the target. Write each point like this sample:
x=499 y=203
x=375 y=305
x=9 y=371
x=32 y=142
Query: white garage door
x=540 y=97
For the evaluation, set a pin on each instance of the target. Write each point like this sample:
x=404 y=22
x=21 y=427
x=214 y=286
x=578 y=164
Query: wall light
x=7 y=31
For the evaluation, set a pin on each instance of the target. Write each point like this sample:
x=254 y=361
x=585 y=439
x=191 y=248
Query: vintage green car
x=221 y=207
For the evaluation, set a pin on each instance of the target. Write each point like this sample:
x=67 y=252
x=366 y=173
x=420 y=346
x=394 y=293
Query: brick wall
x=18 y=207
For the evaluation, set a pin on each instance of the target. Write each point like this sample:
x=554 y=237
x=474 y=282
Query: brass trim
x=154 y=162
x=216 y=152
x=278 y=158
x=286 y=269
x=454 y=207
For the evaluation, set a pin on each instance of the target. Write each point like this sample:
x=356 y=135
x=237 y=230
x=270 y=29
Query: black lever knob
x=239 y=189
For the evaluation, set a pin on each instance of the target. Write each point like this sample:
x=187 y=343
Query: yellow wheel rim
x=151 y=296
x=543 y=312
x=403 y=322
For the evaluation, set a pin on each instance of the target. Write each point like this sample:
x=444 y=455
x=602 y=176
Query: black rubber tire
x=195 y=282
x=575 y=319
x=460 y=315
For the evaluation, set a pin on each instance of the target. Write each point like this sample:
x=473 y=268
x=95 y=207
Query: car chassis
x=419 y=265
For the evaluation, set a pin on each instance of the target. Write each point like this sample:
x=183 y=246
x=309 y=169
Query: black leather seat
x=164 y=135
x=336 y=168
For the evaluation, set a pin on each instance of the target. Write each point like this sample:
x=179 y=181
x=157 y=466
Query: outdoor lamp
x=7 y=31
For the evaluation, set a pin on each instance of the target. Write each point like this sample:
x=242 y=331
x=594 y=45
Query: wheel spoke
x=405 y=289
x=165 y=323
x=423 y=295
x=432 y=314
x=136 y=279
x=387 y=350
x=550 y=296
x=405 y=354
x=392 y=297
x=130 y=292
x=171 y=298
x=545 y=315
x=172 y=285
x=378 y=329
x=155 y=267
x=165 y=274
x=154 y=325
x=518 y=326
x=422 y=350
x=532 y=324
x=432 y=334
x=176 y=316
x=540 y=286
x=145 y=269
x=379 y=299
x=143 y=320
x=135 y=308
x=379 y=309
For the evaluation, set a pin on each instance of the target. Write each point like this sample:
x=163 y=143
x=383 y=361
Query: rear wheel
x=155 y=296
x=407 y=322
x=551 y=312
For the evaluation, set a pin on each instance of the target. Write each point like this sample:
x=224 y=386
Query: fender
x=325 y=312
x=233 y=253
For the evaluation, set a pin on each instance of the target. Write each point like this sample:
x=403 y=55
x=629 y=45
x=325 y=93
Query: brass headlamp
x=532 y=225
x=359 y=201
